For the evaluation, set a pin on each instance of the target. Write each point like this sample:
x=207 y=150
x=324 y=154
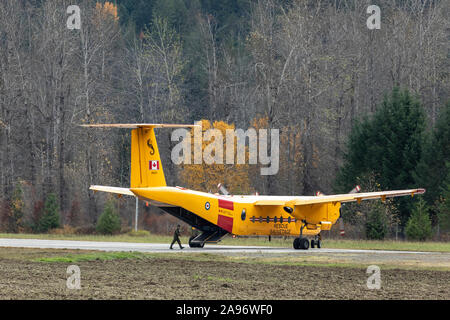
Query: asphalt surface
x=164 y=247
x=406 y=258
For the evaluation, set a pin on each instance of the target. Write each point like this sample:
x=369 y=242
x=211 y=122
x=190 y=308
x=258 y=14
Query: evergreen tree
x=418 y=226
x=431 y=170
x=388 y=144
x=356 y=158
x=137 y=12
x=376 y=223
x=109 y=221
x=50 y=218
x=174 y=11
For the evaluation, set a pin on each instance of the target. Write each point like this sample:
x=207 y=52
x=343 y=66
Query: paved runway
x=164 y=247
x=121 y=246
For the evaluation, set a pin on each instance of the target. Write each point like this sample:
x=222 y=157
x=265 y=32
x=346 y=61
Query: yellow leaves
x=206 y=177
x=17 y=204
x=236 y=177
x=108 y=9
x=260 y=123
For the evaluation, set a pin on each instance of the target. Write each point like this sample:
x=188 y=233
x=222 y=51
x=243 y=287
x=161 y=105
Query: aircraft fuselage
x=238 y=215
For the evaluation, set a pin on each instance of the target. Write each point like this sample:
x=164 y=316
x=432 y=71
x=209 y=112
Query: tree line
x=309 y=68
x=393 y=150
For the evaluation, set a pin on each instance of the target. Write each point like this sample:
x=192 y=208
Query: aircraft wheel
x=296 y=243
x=304 y=243
x=192 y=244
x=195 y=244
x=313 y=243
x=319 y=244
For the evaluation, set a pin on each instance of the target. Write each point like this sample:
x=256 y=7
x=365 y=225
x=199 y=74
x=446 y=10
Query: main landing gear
x=303 y=243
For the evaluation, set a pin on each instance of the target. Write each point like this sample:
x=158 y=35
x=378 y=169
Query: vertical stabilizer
x=146 y=166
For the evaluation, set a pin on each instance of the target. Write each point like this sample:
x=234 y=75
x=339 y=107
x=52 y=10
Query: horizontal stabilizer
x=127 y=192
x=124 y=191
x=137 y=125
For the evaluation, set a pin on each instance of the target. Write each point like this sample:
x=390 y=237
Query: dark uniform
x=176 y=238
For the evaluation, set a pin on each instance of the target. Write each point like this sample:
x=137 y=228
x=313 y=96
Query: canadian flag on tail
x=154 y=164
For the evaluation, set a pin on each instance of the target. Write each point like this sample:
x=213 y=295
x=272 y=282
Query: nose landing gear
x=316 y=242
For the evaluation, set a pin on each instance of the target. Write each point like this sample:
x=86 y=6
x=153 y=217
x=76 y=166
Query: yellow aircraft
x=217 y=215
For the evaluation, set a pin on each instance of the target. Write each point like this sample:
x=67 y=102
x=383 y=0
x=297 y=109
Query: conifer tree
x=418 y=226
x=109 y=221
x=50 y=217
x=388 y=144
x=376 y=223
x=431 y=170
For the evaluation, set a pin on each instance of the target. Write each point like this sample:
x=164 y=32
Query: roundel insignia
x=207 y=205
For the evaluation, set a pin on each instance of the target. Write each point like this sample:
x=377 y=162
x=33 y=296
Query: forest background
x=353 y=105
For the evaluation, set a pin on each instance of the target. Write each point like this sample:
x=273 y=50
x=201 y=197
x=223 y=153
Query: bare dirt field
x=205 y=277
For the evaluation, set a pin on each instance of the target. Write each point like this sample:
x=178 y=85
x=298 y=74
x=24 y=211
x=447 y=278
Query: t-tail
x=146 y=167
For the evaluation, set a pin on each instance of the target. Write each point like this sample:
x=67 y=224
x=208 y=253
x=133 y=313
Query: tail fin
x=146 y=166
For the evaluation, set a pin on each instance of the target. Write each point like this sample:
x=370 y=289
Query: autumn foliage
x=206 y=177
x=108 y=9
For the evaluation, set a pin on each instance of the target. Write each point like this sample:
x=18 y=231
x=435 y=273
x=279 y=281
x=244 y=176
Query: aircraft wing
x=349 y=197
x=124 y=191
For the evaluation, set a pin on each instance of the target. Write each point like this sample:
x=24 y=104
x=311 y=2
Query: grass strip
x=100 y=256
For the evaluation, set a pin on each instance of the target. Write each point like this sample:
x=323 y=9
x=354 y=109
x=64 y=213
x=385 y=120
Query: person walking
x=176 y=237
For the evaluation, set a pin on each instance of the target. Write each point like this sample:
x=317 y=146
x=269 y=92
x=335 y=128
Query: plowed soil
x=184 y=278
